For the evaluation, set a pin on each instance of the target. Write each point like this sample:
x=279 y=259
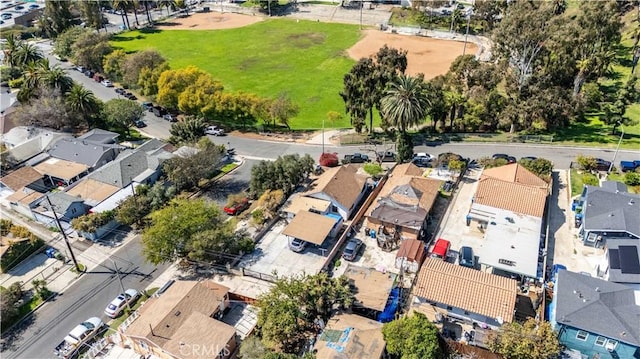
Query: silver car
x=118 y=303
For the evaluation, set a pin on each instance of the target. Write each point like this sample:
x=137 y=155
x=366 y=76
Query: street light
x=615 y=154
x=466 y=34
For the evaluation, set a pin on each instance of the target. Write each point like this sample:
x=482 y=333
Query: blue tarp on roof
x=389 y=312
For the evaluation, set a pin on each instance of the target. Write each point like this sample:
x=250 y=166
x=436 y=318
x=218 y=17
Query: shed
x=410 y=255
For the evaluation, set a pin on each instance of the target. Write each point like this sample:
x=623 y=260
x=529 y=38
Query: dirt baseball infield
x=429 y=56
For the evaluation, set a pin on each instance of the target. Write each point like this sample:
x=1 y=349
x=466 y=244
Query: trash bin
x=50 y=252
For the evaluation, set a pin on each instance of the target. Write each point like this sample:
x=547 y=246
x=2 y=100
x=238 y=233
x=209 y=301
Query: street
x=88 y=297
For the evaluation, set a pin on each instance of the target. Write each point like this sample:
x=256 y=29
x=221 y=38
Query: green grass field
x=306 y=60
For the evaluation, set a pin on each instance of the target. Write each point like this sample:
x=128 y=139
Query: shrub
x=9 y=73
x=20 y=232
x=90 y=223
x=258 y=216
x=329 y=159
x=587 y=163
x=590 y=179
x=632 y=179
x=373 y=169
x=5 y=226
x=16 y=83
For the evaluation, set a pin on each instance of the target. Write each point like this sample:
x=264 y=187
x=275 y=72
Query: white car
x=106 y=83
x=118 y=304
x=214 y=130
x=84 y=331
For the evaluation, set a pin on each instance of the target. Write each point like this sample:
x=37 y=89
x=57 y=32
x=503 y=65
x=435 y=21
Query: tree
x=134 y=209
x=10 y=49
x=188 y=130
x=133 y=64
x=281 y=109
x=186 y=172
x=289 y=309
x=10 y=296
x=83 y=104
x=191 y=229
x=541 y=167
x=148 y=79
x=587 y=163
x=198 y=95
x=63 y=45
x=122 y=113
x=56 y=78
x=373 y=169
x=285 y=173
x=92 y=14
x=25 y=54
x=113 y=64
x=172 y=83
x=488 y=11
x=56 y=18
x=45 y=110
x=270 y=201
x=123 y=5
x=531 y=340
x=412 y=337
x=405 y=103
x=90 y=49
x=404 y=147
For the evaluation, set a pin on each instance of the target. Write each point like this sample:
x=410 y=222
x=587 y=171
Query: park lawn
x=306 y=60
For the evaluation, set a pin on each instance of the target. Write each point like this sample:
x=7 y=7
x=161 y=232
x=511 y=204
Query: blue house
x=600 y=319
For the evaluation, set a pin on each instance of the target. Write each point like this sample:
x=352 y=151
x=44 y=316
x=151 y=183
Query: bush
x=5 y=226
x=587 y=163
x=20 y=232
x=632 y=179
x=90 y=223
x=329 y=159
x=373 y=169
x=10 y=296
x=258 y=216
x=9 y=73
x=590 y=179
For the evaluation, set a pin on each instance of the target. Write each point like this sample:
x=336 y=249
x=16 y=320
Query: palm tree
x=56 y=78
x=83 y=103
x=405 y=103
x=167 y=4
x=135 y=4
x=145 y=3
x=32 y=74
x=122 y=5
x=27 y=53
x=10 y=50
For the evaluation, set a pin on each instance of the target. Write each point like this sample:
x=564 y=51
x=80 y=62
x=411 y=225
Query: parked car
x=509 y=159
x=33 y=6
x=441 y=249
x=170 y=117
x=422 y=159
x=602 y=165
x=120 y=91
x=6 y=16
x=466 y=257
x=529 y=158
x=140 y=124
x=78 y=336
x=386 y=156
x=130 y=96
x=352 y=249
x=106 y=83
x=89 y=73
x=356 y=158
x=237 y=207
x=19 y=7
x=297 y=245
x=81 y=69
x=118 y=304
x=158 y=111
x=147 y=106
x=629 y=166
x=214 y=130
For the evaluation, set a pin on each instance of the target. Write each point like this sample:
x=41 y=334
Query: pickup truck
x=629 y=166
x=82 y=333
x=356 y=158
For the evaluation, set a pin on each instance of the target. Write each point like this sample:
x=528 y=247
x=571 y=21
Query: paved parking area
x=272 y=253
x=371 y=256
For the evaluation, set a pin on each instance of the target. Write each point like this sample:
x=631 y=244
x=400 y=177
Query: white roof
x=511 y=242
x=115 y=199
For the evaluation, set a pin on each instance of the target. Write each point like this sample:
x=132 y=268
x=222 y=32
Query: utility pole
x=466 y=34
x=361 y=7
x=115 y=265
x=617 y=149
x=323 y=135
x=64 y=235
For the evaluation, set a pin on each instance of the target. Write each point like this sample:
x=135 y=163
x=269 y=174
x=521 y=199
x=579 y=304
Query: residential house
x=312 y=227
x=94 y=149
x=142 y=165
x=608 y=213
x=600 y=319
x=92 y=192
x=66 y=207
x=410 y=255
x=24 y=201
x=372 y=287
x=350 y=336
x=182 y=323
x=508 y=207
x=343 y=186
x=25 y=143
x=61 y=173
x=23 y=177
x=622 y=262
x=299 y=203
x=403 y=206
x=465 y=294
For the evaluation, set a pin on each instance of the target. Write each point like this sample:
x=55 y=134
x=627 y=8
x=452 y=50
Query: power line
x=64 y=235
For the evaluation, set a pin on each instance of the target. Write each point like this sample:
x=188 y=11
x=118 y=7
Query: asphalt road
x=87 y=298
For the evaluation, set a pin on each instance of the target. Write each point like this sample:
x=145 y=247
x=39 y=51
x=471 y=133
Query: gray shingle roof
x=82 y=151
x=597 y=306
x=624 y=263
x=60 y=201
x=100 y=136
x=605 y=209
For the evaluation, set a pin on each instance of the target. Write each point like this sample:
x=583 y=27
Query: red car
x=237 y=207
x=441 y=249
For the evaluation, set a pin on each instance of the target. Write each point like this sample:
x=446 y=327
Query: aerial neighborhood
x=275 y=180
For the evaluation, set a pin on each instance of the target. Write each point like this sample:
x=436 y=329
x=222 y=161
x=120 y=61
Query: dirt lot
x=431 y=57
x=210 y=21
